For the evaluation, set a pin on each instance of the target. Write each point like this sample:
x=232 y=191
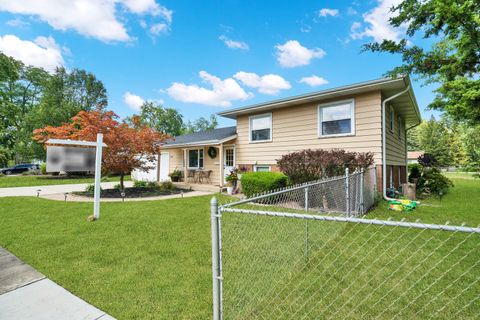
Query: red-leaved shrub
x=309 y=165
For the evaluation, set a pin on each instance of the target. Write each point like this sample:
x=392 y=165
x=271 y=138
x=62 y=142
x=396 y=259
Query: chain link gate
x=273 y=259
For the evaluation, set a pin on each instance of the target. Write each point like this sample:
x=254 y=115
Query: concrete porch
x=198 y=186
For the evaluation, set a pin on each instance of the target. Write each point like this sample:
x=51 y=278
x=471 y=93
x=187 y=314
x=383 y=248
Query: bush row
x=257 y=182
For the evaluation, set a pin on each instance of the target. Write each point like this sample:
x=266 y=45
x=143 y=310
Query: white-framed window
x=195 y=158
x=336 y=119
x=260 y=127
x=392 y=119
x=261 y=168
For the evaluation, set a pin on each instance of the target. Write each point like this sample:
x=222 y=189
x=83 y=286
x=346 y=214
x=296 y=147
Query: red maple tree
x=128 y=147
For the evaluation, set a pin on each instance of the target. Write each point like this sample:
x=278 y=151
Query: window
x=195 y=158
x=336 y=119
x=261 y=128
x=262 y=168
x=392 y=118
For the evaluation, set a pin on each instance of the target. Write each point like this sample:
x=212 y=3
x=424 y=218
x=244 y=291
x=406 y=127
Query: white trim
x=225 y=147
x=399 y=129
x=391 y=122
x=333 y=104
x=255 y=167
x=250 y=127
x=199 y=143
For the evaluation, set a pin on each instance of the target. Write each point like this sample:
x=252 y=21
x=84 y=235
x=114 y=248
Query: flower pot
x=230 y=190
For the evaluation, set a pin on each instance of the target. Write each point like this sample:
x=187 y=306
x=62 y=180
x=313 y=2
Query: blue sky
x=202 y=57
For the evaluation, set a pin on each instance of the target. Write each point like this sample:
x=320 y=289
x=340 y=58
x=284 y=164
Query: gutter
x=384 y=141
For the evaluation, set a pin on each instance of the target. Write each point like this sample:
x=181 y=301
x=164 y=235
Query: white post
x=347 y=192
x=216 y=260
x=98 y=175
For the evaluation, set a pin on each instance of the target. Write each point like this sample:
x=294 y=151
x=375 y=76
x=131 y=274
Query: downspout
x=384 y=142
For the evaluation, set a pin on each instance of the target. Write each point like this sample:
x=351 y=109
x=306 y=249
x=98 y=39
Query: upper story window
x=336 y=119
x=392 y=118
x=261 y=128
x=195 y=158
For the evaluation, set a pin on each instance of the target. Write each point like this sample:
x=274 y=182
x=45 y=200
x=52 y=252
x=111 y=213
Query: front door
x=164 y=166
x=228 y=160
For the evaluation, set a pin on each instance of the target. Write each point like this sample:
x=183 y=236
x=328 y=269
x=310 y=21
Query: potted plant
x=175 y=175
x=231 y=180
x=241 y=170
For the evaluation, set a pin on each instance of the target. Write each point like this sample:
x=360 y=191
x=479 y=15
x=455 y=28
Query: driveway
x=53 y=189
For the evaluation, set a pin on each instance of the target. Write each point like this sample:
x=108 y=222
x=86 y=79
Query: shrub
x=432 y=181
x=152 y=184
x=309 y=165
x=167 y=186
x=176 y=175
x=257 y=182
x=139 y=184
x=43 y=168
x=118 y=186
x=427 y=160
x=415 y=171
x=91 y=188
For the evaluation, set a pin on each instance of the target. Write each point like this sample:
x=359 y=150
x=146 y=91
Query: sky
x=203 y=57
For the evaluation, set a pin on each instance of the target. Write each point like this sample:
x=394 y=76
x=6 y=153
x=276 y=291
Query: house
x=370 y=116
x=412 y=156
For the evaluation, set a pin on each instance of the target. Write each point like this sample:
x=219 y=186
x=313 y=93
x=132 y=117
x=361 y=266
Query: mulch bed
x=133 y=193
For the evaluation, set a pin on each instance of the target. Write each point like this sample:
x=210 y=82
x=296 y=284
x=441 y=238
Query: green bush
x=167 y=186
x=257 y=182
x=43 y=168
x=139 y=184
x=415 y=171
x=91 y=188
x=432 y=181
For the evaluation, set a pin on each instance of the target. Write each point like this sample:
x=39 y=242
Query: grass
x=141 y=260
x=41 y=180
x=151 y=260
x=458 y=206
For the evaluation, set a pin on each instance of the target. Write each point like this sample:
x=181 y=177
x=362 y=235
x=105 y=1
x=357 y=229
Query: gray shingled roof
x=210 y=136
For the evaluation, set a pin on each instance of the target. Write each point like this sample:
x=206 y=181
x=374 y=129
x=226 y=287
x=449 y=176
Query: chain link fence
x=276 y=258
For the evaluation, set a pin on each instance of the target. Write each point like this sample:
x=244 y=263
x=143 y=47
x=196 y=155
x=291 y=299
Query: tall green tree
x=166 y=120
x=452 y=61
x=201 y=124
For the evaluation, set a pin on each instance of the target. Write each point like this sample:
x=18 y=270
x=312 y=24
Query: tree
x=201 y=124
x=166 y=120
x=453 y=59
x=129 y=147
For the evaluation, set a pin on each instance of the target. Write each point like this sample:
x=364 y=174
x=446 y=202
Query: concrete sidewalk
x=54 y=189
x=26 y=294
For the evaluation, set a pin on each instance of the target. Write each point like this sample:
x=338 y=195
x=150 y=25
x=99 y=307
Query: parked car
x=19 y=168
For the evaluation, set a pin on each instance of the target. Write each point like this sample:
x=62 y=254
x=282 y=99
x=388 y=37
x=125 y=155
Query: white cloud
x=351 y=11
x=328 y=12
x=376 y=21
x=234 y=44
x=268 y=84
x=313 y=81
x=92 y=18
x=158 y=28
x=222 y=94
x=133 y=101
x=17 y=22
x=43 y=52
x=293 y=54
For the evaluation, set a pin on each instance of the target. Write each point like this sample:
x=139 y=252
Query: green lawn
x=31 y=180
x=460 y=205
x=141 y=260
x=152 y=259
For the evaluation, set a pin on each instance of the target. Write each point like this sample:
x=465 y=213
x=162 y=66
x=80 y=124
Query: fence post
x=216 y=271
x=306 y=225
x=347 y=192
x=362 y=200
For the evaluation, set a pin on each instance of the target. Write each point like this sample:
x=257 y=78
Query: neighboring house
x=348 y=117
x=412 y=156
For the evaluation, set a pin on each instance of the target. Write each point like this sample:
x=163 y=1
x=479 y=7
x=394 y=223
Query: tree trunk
x=122 y=176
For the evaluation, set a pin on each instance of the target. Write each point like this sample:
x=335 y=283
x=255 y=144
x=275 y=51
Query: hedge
x=257 y=182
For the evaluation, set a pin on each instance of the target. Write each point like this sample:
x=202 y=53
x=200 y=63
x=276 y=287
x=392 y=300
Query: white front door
x=228 y=160
x=164 y=166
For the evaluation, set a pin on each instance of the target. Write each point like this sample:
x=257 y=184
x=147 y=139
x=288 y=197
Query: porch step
x=198 y=186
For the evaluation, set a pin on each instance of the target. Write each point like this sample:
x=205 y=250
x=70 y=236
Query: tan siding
x=396 y=147
x=296 y=128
